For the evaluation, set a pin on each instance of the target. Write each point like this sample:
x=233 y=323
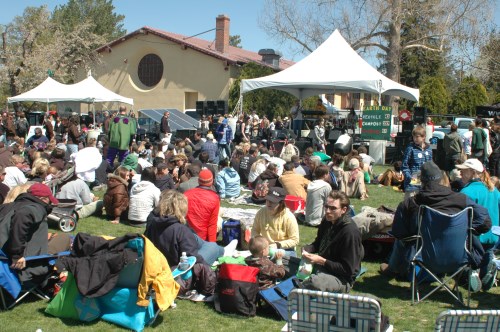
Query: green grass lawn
x=190 y=316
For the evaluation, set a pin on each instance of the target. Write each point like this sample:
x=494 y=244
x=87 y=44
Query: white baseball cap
x=474 y=164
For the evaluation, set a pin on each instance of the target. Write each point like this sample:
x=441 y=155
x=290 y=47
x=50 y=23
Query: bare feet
x=116 y=221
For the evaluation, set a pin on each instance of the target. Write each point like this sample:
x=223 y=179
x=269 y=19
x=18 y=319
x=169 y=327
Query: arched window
x=150 y=70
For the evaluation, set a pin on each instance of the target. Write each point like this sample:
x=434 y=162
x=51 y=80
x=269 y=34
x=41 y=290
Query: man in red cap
x=27 y=234
x=203 y=207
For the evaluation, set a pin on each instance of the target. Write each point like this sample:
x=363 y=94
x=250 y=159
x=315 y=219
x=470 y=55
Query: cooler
x=295 y=203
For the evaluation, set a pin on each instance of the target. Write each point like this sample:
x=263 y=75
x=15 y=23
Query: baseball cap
x=474 y=164
x=42 y=190
x=276 y=194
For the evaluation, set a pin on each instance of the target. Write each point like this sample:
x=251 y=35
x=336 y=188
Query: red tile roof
x=234 y=55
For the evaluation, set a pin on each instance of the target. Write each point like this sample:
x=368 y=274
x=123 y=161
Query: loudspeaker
x=211 y=108
x=200 y=107
x=221 y=107
x=407 y=128
x=420 y=115
x=302 y=145
x=334 y=134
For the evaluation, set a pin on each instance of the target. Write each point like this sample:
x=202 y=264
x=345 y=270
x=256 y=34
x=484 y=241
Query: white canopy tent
x=86 y=91
x=333 y=66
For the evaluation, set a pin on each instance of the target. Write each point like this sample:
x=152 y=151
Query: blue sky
x=187 y=17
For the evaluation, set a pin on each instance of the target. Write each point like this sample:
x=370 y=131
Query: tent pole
x=379 y=83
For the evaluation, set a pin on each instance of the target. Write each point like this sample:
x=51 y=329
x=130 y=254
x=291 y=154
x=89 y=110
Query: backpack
x=237 y=289
x=261 y=188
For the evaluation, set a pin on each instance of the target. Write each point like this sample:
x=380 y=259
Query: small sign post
x=377 y=123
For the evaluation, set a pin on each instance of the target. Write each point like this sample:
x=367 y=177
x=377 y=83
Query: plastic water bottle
x=183 y=263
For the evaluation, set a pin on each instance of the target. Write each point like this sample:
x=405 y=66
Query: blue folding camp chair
x=9 y=281
x=443 y=251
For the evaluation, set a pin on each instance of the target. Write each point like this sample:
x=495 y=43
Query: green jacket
x=121 y=129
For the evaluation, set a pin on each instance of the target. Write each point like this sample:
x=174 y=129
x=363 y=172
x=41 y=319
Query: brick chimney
x=222 y=33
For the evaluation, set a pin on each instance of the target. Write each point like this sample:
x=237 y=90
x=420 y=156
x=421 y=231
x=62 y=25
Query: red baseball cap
x=42 y=190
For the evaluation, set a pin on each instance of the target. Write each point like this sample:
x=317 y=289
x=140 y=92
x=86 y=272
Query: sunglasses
x=331 y=207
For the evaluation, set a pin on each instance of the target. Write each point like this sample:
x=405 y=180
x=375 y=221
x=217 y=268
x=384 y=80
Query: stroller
x=65 y=212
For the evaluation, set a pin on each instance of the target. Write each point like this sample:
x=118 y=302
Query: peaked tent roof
x=44 y=92
x=334 y=65
x=86 y=91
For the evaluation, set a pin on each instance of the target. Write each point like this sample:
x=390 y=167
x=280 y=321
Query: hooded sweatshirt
x=317 y=192
x=116 y=197
x=228 y=183
x=171 y=238
x=144 y=197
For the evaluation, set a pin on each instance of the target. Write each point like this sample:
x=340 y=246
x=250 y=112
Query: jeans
x=297 y=126
x=210 y=251
x=224 y=148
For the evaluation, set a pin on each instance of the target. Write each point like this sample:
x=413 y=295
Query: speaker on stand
x=211 y=107
x=420 y=115
x=200 y=108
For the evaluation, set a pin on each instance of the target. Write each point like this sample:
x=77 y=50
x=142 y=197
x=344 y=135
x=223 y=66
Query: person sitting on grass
x=337 y=251
x=443 y=199
x=227 y=180
x=393 y=177
x=144 y=197
x=116 y=197
x=269 y=272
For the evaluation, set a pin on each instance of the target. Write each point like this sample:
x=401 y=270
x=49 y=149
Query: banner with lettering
x=377 y=123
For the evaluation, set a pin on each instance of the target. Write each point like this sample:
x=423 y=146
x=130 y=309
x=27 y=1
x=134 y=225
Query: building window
x=150 y=70
x=356 y=98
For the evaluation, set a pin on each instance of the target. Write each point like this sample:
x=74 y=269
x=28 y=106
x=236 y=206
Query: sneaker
x=230 y=248
x=198 y=298
x=188 y=295
x=490 y=277
x=475 y=281
x=208 y=298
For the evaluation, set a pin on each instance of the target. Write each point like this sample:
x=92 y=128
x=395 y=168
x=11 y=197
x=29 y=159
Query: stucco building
x=161 y=69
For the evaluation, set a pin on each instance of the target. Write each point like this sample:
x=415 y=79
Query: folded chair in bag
x=310 y=310
x=143 y=288
x=468 y=320
x=277 y=296
x=443 y=251
x=9 y=281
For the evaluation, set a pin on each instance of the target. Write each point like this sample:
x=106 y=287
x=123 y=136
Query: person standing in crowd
x=453 y=147
x=352 y=120
x=49 y=127
x=478 y=147
x=224 y=138
x=203 y=207
x=494 y=160
x=416 y=154
x=319 y=140
x=165 y=125
x=73 y=135
x=467 y=141
x=211 y=149
x=320 y=106
x=338 y=248
x=121 y=130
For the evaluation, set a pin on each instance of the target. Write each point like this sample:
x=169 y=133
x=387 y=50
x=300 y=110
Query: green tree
x=235 y=41
x=434 y=95
x=99 y=13
x=488 y=65
x=470 y=93
x=267 y=102
x=33 y=44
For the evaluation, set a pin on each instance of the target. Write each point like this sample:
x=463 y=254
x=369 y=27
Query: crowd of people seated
x=174 y=191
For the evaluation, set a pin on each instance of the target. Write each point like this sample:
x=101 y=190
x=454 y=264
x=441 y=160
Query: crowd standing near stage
x=172 y=188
